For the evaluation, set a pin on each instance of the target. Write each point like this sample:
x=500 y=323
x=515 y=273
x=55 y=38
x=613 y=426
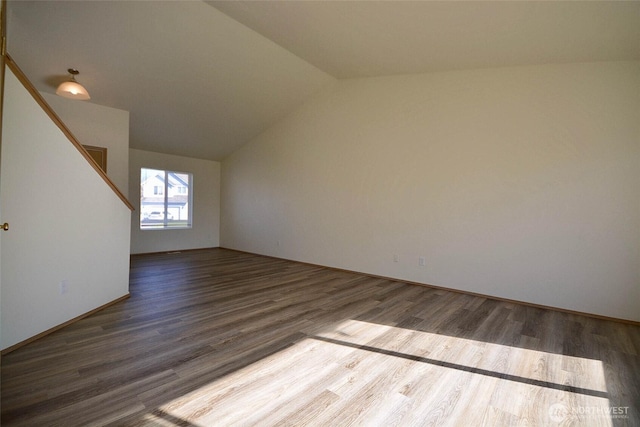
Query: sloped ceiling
x=196 y=82
x=350 y=39
x=201 y=79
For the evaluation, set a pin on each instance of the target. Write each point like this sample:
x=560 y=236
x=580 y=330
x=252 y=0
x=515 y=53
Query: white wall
x=205 y=232
x=520 y=183
x=66 y=225
x=99 y=126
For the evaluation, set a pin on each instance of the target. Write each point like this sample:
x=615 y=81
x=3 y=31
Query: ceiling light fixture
x=72 y=89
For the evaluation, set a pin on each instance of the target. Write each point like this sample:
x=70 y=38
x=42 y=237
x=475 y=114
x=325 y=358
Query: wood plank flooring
x=222 y=338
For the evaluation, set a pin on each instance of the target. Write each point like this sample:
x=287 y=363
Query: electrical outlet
x=422 y=261
x=64 y=287
x=396 y=258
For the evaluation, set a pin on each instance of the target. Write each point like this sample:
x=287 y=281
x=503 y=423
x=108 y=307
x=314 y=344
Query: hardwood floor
x=222 y=338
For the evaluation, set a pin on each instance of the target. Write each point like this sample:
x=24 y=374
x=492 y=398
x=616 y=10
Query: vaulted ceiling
x=202 y=78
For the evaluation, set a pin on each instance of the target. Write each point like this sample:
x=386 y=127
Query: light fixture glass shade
x=73 y=90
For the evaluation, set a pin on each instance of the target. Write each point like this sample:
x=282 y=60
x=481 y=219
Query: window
x=165 y=199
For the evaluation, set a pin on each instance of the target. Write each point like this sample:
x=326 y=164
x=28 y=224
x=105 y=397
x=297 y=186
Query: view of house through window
x=165 y=199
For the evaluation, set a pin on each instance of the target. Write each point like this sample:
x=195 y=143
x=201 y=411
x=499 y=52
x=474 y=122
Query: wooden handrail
x=65 y=130
x=3 y=48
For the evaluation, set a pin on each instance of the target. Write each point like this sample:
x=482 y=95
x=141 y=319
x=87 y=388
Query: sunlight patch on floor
x=537 y=365
x=364 y=373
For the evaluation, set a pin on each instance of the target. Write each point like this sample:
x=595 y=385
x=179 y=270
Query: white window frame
x=166 y=223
